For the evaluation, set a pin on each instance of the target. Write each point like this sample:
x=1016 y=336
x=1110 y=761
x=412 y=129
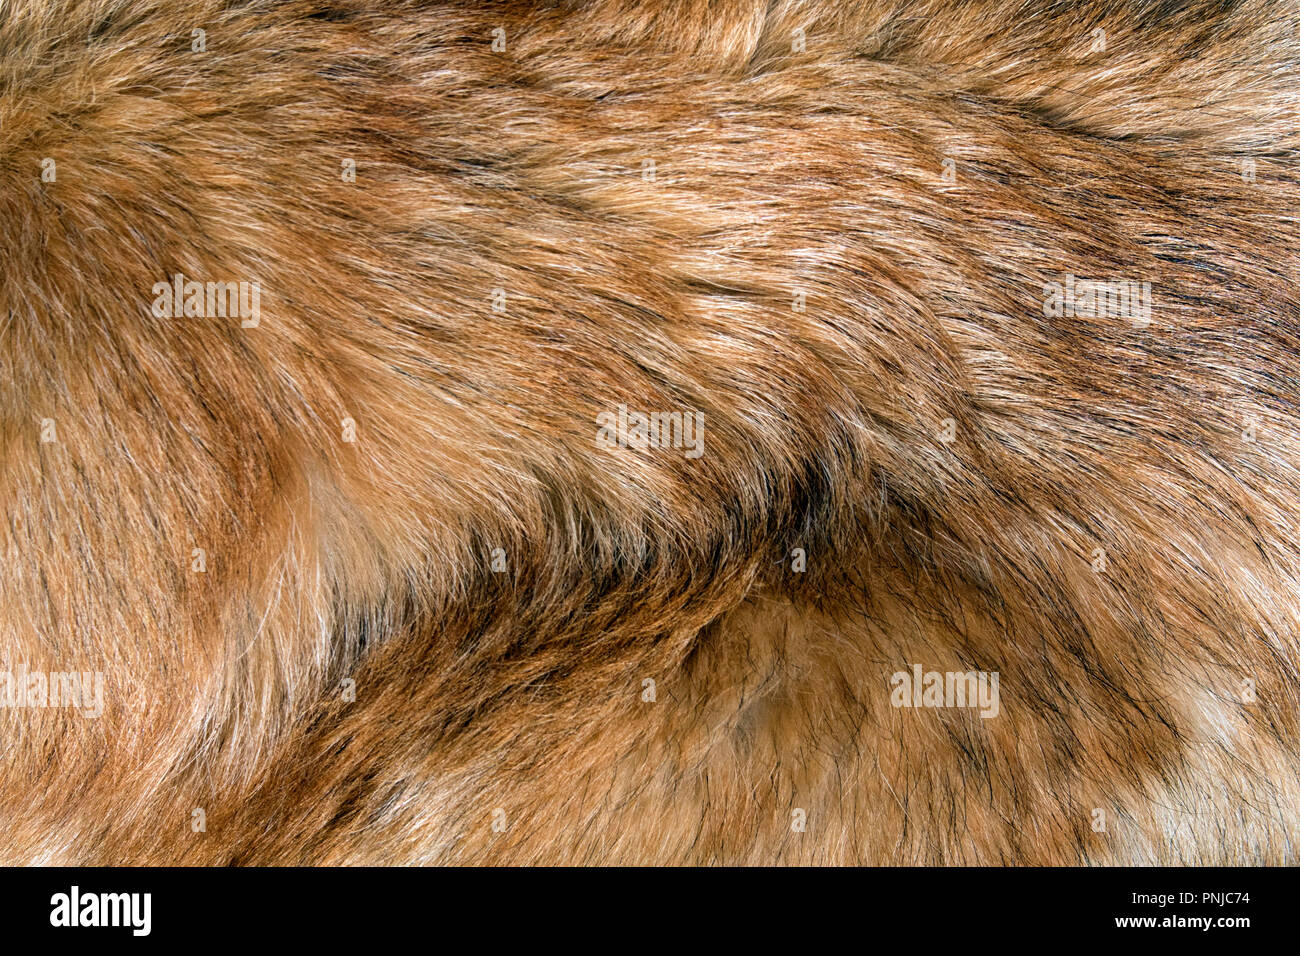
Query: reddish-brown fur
x=502 y=716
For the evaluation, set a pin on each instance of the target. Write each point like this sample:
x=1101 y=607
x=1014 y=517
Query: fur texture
x=1102 y=512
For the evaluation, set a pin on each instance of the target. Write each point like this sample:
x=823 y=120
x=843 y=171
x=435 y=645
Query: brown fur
x=778 y=169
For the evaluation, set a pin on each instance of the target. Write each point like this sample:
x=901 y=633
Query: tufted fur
x=1112 y=527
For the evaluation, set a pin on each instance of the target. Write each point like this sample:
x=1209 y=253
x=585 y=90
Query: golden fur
x=1104 y=514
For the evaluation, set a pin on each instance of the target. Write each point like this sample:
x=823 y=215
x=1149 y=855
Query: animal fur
x=1109 y=523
